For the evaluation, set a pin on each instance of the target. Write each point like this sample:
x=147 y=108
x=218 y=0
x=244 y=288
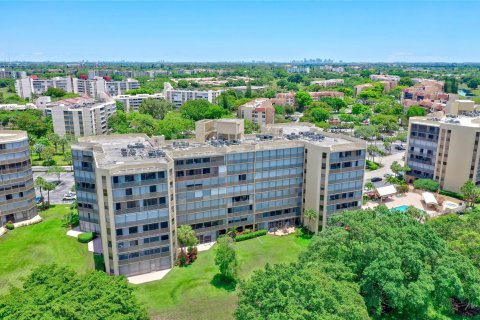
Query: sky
x=199 y=31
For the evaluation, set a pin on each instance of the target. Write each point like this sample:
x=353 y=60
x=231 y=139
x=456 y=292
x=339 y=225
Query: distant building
x=316 y=96
x=219 y=129
x=17 y=191
x=17 y=107
x=284 y=99
x=133 y=102
x=11 y=74
x=298 y=70
x=179 y=96
x=359 y=88
x=26 y=87
x=259 y=111
x=329 y=83
x=426 y=93
x=80 y=116
x=115 y=88
x=384 y=77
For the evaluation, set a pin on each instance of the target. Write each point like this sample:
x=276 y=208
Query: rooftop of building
x=468 y=119
x=128 y=150
x=12 y=135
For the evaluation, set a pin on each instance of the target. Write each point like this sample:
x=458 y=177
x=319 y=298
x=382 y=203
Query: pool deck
x=407 y=199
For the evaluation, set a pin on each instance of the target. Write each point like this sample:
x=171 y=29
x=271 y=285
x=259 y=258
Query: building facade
x=11 y=74
x=17 y=191
x=83 y=119
x=135 y=191
x=444 y=149
x=260 y=111
x=179 y=96
x=26 y=87
x=133 y=102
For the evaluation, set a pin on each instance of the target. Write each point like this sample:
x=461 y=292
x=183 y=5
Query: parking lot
x=66 y=184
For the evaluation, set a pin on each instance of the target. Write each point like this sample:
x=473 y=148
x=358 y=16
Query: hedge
x=10 y=226
x=455 y=195
x=86 y=237
x=426 y=184
x=250 y=235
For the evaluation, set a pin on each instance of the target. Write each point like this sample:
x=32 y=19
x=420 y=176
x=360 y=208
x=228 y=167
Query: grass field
x=193 y=292
x=59 y=159
x=24 y=248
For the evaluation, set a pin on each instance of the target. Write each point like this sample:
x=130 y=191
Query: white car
x=69 y=196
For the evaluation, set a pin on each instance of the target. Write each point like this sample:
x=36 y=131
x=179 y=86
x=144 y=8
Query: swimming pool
x=400 y=208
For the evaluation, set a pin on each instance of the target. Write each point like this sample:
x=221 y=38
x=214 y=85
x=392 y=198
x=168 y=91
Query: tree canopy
x=53 y=292
x=156 y=108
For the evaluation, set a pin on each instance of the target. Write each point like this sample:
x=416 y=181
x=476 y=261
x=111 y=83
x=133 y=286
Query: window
x=242 y=177
x=164 y=225
x=115 y=179
x=128 y=192
x=129 y=178
x=153 y=188
x=132 y=230
x=119 y=232
x=131 y=204
x=118 y=206
x=164 y=237
x=206 y=170
x=148 y=176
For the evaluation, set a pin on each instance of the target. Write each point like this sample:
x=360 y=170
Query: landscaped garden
x=197 y=292
x=23 y=249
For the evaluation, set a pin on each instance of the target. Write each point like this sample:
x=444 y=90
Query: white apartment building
x=114 y=88
x=133 y=102
x=26 y=87
x=85 y=118
x=100 y=88
x=259 y=111
x=178 y=96
x=384 y=77
x=298 y=70
x=329 y=83
x=10 y=74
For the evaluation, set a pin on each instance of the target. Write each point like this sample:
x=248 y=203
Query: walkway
x=148 y=277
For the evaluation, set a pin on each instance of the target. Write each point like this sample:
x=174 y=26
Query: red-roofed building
x=259 y=111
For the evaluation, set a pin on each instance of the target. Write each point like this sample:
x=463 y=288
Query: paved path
x=387 y=162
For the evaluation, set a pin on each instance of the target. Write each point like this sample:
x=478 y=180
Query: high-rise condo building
x=135 y=190
x=444 y=149
x=17 y=192
x=179 y=96
x=133 y=102
x=26 y=87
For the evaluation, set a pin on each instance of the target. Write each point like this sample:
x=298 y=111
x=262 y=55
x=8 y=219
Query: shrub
x=402 y=188
x=250 y=235
x=372 y=165
x=426 y=184
x=86 y=237
x=452 y=194
x=246 y=231
x=10 y=226
x=48 y=163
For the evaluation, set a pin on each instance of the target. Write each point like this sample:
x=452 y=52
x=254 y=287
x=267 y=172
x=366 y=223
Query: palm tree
x=57 y=171
x=310 y=214
x=48 y=186
x=369 y=185
x=40 y=184
x=232 y=232
x=38 y=149
x=186 y=237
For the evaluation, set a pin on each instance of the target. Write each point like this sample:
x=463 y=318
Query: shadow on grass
x=221 y=282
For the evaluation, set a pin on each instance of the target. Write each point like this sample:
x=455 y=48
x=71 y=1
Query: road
x=387 y=162
x=66 y=184
x=44 y=169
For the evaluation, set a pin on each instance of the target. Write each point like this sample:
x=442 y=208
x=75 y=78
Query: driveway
x=66 y=184
x=387 y=162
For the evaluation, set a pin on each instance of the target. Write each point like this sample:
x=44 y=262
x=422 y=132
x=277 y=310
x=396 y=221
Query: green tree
x=366 y=132
x=404 y=270
x=214 y=112
x=303 y=99
x=396 y=168
x=119 y=106
x=282 y=83
x=156 y=108
x=334 y=102
x=67 y=295
x=55 y=92
x=186 y=237
x=310 y=215
x=57 y=171
x=416 y=111
x=48 y=186
x=248 y=91
x=40 y=183
x=299 y=292
x=473 y=84
x=195 y=109
x=373 y=151
x=182 y=84
x=319 y=114
x=359 y=108
x=39 y=149
x=369 y=185
x=407 y=82
x=426 y=184
x=54 y=139
x=226 y=258
x=470 y=192
x=250 y=127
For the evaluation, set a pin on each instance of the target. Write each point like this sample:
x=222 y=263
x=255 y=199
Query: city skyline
x=362 y=31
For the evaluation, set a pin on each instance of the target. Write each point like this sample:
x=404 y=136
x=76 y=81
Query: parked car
x=38 y=200
x=69 y=196
x=376 y=179
x=387 y=175
x=400 y=147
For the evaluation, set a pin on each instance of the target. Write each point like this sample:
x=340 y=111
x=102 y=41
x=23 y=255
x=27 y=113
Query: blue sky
x=240 y=31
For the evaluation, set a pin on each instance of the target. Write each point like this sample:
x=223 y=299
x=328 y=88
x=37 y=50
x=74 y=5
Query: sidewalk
x=45 y=169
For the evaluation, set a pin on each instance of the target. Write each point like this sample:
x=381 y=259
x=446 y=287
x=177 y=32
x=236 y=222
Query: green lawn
x=192 y=292
x=25 y=248
x=59 y=159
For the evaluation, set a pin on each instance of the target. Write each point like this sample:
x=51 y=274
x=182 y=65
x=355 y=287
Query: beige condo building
x=135 y=190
